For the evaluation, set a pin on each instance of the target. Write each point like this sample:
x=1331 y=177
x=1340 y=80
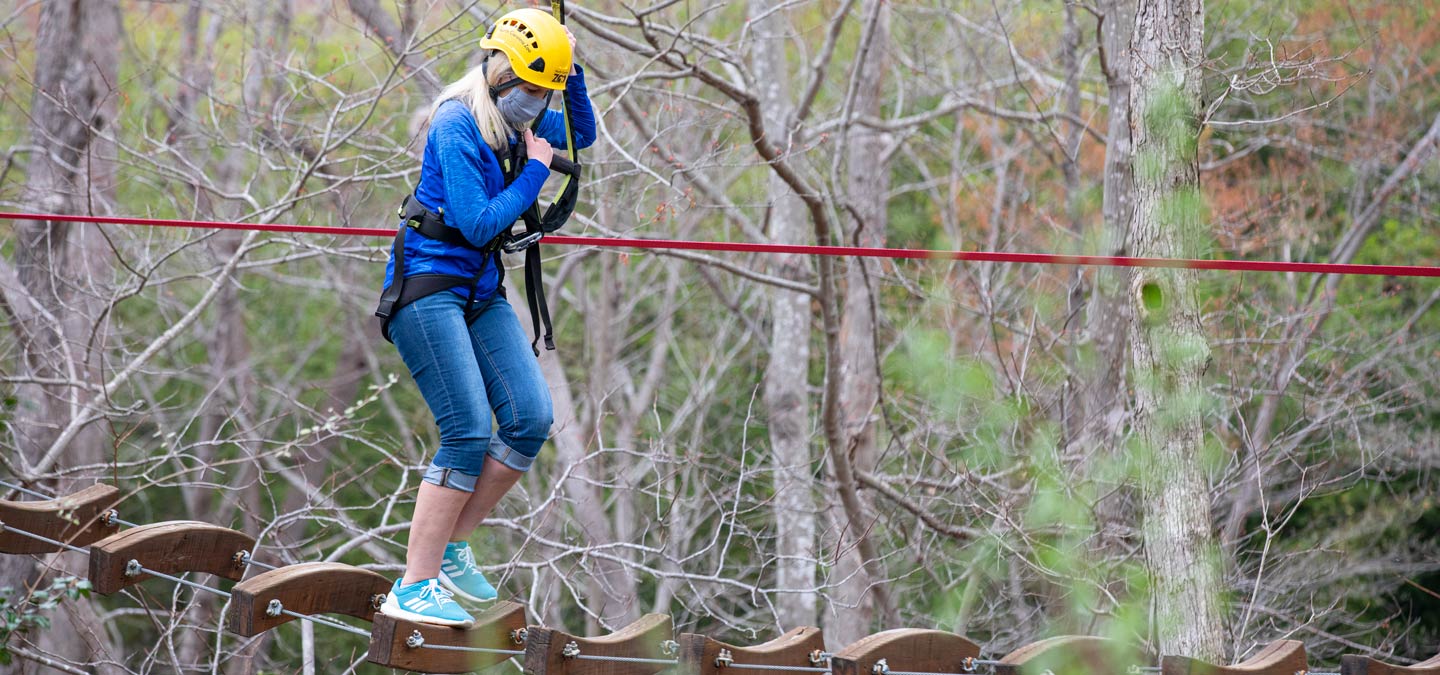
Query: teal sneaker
x=425 y=602
x=459 y=573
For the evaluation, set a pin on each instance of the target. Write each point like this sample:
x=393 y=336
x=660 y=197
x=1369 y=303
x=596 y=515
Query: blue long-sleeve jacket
x=461 y=177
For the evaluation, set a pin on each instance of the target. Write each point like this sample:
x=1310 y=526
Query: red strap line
x=846 y=251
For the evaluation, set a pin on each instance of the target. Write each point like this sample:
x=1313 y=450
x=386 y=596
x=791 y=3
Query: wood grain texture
x=76 y=519
x=642 y=639
x=1351 y=664
x=906 y=649
x=1072 y=655
x=306 y=588
x=172 y=547
x=492 y=630
x=1282 y=657
x=698 y=652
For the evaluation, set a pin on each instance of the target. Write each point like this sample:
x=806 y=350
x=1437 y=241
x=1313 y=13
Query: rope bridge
x=87 y=522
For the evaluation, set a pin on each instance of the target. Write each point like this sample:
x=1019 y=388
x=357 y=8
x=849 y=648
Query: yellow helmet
x=536 y=44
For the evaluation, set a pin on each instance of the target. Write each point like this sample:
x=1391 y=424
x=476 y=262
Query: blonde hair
x=474 y=91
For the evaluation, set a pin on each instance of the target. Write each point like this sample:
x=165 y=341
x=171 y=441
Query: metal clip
x=112 y=518
x=818 y=657
x=133 y=568
x=241 y=558
x=274 y=608
x=415 y=641
x=519 y=635
x=724 y=659
x=522 y=242
x=669 y=647
x=968 y=665
x=376 y=601
x=571 y=650
x=880 y=668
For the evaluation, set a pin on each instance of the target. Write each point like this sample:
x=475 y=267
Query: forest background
x=1198 y=462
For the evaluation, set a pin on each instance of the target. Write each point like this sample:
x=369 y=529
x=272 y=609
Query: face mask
x=519 y=108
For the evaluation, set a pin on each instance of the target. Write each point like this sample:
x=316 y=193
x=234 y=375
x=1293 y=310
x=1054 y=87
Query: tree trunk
x=1169 y=348
x=63 y=266
x=867 y=183
x=787 y=399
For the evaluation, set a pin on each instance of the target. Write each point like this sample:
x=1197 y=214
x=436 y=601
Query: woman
x=448 y=315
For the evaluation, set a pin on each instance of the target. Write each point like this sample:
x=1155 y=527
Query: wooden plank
x=1351 y=664
x=1073 y=655
x=546 y=653
x=502 y=626
x=172 y=547
x=1282 y=657
x=905 y=649
x=78 y=519
x=306 y=588
x=700 y=654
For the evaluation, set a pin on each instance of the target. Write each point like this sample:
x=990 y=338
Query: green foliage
x=19 y=616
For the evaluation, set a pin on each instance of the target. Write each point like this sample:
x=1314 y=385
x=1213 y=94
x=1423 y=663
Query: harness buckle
x=518 y=244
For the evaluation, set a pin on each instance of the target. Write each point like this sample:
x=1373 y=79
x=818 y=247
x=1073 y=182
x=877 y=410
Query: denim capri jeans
x=467 y=373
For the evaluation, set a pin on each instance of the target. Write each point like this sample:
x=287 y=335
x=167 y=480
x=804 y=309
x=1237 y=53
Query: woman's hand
x=538 y=148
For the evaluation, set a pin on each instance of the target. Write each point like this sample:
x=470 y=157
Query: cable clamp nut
x=880 y=668
x=571 y=650
x=519 y=635
x=415 y=641
x=725 y=659
x=377 y=600
x=968 y=665
x=240 y=559
x=133 y=568
x=274 y=608
x=111 y=519
x=669 y=647
x=818 y=657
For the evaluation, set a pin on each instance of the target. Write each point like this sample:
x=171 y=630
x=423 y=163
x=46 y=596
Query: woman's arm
x=582 y=115
x=465 y=163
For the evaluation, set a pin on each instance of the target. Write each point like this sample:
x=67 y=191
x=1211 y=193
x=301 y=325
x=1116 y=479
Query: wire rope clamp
x=518 y=636
x=241 y=558
x=669 y=647
x=133 y=568
x=631 y=650
x=442 y=649
x=78 y=519
x=967 y=664
x=304 y=589
x=912 y=650
x=796 y=648
x=173 y=547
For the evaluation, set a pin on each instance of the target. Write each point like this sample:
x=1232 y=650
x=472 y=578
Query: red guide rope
x=843 y=251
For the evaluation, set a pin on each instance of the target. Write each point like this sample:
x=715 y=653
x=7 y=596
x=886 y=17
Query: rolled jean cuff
x=510 y=456
x=450 y=478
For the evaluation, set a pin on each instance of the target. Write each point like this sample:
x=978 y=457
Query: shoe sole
x=393 y=609
x=453 y=588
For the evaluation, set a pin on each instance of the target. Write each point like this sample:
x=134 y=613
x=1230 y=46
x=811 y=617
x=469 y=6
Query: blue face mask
x=520 y=108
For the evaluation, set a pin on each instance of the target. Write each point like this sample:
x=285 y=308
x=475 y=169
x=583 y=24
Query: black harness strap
x=402 y=290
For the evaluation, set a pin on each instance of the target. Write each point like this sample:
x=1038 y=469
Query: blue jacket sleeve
x=465 y=160
x=582 y=115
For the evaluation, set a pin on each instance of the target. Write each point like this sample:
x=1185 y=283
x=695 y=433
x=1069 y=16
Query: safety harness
x=414 y=215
